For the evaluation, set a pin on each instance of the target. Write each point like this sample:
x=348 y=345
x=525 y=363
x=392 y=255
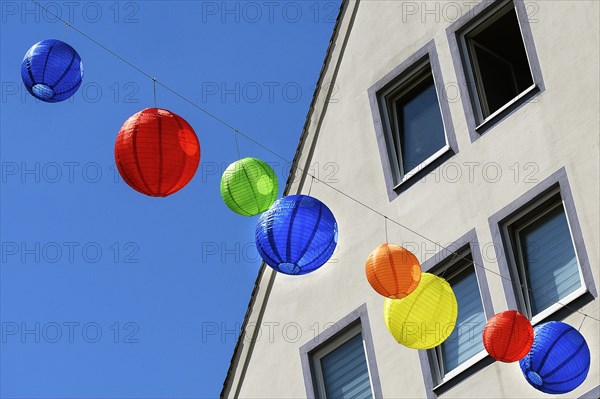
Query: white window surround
x=413 y=172
x=331 y=338
x=329 y=347
x=512 y=252
x=467 y=52
x=400 y=77
x=419 y=72
x=492 y=118
x=469 y=22
x=450 y=270
x=434 y=382
x=555 y=183
x=460 y=369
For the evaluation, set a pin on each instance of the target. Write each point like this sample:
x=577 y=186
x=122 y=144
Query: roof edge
x=291 y=178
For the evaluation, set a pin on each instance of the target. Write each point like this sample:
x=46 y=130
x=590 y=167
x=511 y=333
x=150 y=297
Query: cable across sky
x=237 y=131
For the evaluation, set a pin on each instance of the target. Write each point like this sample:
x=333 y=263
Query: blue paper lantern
x=52 y=71
x=559 y=359
x=297 y=235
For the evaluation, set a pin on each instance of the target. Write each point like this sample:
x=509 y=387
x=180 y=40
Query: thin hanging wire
x=312 y=180
x=450 y=263
x=386 y=228
x=581 y=324
x=154 y=81
x=64 y=35
x=249 y=138
x=237 y=145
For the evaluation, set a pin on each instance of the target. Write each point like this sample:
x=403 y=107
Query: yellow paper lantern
x=425 y=318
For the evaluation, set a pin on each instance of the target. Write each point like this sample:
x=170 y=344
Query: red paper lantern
x=393 y=271
x=157 y=152
x=508 y=336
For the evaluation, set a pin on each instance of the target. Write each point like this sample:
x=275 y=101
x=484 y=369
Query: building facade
x=475 y=126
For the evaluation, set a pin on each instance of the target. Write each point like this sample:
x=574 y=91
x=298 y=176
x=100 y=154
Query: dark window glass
x=499 y=62
x=421 y=128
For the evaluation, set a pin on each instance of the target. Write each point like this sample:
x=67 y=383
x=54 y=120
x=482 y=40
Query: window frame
x=477 y=19
x=450 y=269
x=390 y=97
x=533 y=212
x=423 y=61
x=555 y=184
x=437 y=354
x=330 y=339
x=446 y=259
x=331 y=346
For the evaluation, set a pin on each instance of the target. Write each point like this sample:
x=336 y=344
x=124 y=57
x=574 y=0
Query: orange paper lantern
x=508 y=336
x=393 y=271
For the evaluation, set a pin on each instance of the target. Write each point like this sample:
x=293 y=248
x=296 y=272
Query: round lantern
x=425 y=318
x=297 y=235
x=508 y=336
x=52 y=71
x=559 y=359
x=249 y=186
x=157 y=152
x=393 y=271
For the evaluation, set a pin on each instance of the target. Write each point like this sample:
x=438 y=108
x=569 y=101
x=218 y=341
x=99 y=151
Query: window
x=465 y=343
x=341 y=369
x=462 y=354
x=496 y=62
x=340 y=361
x=414 y=121
x=543 y=255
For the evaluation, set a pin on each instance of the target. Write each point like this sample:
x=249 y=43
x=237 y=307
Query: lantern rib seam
x=564 y=362
x=391 y=260
x=318 y=259
x=174 y=186
x=288 y=246
x=312 y=236
x=251 y=187
x=263 y=252
x=547 y=354
x=46 y=63
x=512 y=330
x=271 y=238
x=73 y=55
x=135 y=154
x=273 y=178
x=29 y=71
x=377 y=278
x=585 y=370
x=160 y=152
x=69 y=89
x=228 y=186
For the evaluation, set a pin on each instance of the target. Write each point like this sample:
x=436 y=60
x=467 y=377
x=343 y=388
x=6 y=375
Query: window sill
x=459 y=372
x=507 y=108
x=423 y=168
x=564 y=303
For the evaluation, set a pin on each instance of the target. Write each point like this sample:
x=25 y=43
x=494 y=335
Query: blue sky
x=106 y=293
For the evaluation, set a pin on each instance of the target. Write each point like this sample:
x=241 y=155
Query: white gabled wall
x=558 y=128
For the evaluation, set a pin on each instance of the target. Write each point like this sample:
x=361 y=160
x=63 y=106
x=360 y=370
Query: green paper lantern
x=249 y=186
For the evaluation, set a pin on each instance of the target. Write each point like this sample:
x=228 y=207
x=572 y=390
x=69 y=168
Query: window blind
x=345 y=371
x=550 y=263
x=465 y=341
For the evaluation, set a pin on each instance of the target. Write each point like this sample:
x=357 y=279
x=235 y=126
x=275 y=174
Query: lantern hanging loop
x=154 y=83
x=237 y=145
x=386 y=228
